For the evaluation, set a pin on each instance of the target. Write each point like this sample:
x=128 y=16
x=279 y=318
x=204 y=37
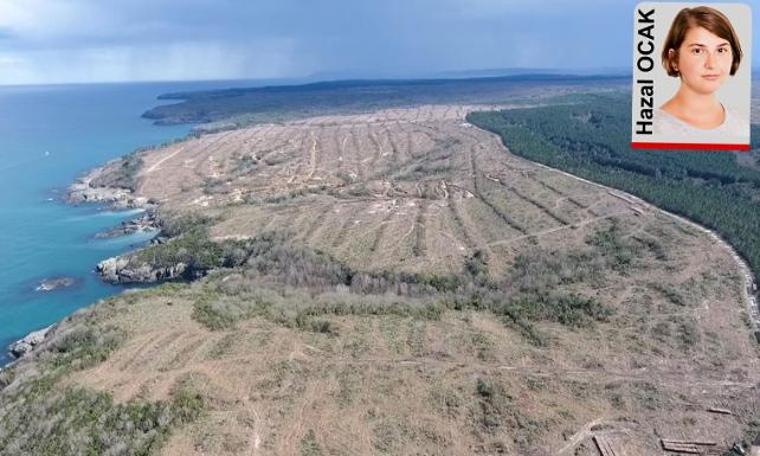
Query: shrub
x=42 y=420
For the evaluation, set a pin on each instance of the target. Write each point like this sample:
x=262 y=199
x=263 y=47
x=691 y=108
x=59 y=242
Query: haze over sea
x=49 y=135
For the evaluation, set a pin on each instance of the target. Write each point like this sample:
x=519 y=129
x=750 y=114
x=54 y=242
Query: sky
x=64 y=41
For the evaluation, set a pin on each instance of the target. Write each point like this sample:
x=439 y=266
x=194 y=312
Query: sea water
x=50 y=135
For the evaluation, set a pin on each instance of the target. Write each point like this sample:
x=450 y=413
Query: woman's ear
x=672 y=60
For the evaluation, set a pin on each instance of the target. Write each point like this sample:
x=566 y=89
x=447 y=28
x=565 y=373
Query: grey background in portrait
x=735 y=92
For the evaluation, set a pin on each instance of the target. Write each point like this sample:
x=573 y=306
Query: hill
x=395 y=282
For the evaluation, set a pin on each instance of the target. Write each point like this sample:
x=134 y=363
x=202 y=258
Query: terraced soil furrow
x=380 y=231
x=318 y=222
x=374 y=150
x=542 y=207
x=496 y=210
x=420 y=229
x=338 y=144
x=459 y=222
x=360 y=154
x=572 y=200
x=350 y=217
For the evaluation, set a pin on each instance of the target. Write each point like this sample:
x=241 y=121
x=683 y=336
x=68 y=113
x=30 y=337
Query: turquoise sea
x=49 y=135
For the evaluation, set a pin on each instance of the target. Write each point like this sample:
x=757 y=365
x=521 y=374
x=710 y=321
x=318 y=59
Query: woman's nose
x=710 y=60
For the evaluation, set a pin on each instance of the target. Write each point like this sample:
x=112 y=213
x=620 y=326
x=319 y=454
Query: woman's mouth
x=711 y=77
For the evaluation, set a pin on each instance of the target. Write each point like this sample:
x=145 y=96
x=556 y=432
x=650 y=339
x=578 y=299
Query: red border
x=690 y=146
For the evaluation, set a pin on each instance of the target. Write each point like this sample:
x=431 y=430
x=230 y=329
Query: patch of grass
x=423 y=170
x=476 y=265
x=82 y=346
x=671 y=294
x=349 y=383
x=298 y=309
x=496 y=409
x=688 y=334
x=317 y=325
x=448 y=400
x=389 y=436
x=309 y=445
x=647 y=396
x=220 y=312
x=7 y=375
x=619 y=253
x=521 y=309
x=214 y=186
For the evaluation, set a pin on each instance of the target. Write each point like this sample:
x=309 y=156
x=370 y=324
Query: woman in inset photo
x=703 y=50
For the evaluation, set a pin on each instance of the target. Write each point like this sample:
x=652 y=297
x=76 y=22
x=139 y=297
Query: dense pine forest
x=589 y=136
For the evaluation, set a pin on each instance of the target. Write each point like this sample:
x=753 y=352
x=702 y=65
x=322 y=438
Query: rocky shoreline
x=83 y=190
x=112 y=185
x=124 y=269
x=115 y=270
x=25 y=345
x=143 y=224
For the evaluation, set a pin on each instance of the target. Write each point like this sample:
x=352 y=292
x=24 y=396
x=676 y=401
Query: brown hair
x=707 y=18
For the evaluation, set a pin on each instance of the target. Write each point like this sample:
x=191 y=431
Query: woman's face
x=704 y=60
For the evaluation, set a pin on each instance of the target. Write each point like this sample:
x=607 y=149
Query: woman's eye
x=722 y=50
x=696 y=51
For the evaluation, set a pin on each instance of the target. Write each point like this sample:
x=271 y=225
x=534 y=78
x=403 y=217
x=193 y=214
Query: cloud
x=67 y=40
x=177 y=61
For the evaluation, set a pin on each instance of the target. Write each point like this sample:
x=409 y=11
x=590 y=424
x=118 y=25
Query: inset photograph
x=692 y=75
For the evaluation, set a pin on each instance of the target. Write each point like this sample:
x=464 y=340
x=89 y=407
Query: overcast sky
x=49 y=41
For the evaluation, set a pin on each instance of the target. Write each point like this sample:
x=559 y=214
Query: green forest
x=589 y=136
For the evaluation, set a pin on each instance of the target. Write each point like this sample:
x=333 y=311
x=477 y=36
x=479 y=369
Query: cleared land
x=413 y=190
x=303 y=365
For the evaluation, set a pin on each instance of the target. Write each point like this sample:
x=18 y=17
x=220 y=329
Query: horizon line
x=326 y=77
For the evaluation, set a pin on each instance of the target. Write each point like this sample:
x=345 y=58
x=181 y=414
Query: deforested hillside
x=395 y=282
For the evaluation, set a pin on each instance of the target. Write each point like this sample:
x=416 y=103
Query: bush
x=42 y=420
x=298 y=309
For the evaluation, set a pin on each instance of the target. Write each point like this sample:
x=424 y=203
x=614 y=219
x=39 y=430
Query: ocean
x=50 y=135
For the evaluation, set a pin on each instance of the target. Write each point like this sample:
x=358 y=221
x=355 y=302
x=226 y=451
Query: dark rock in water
x=23 y=346
x=56 y=283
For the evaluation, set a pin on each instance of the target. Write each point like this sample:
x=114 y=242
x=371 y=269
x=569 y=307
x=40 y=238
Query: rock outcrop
x=147 y=222
x=121 y=270
x=85 y=191
x=23 y=346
